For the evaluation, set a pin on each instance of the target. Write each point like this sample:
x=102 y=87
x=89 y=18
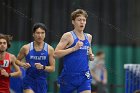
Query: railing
x=132 y=77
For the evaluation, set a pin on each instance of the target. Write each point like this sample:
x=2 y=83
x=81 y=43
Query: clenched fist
x=78 y=45
x=4 y=73
x=39 y=66
x=91 y=57
x=26 y=65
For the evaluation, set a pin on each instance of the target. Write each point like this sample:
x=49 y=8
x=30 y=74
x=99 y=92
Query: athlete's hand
x=104 y=81
x=4 y=73
x=78 y=45
x=97 y=79
x=38 y=66
x=26 y=65
x=1 y=67
x=91 y=57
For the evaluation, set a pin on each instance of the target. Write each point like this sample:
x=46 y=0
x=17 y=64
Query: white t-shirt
x=98 y=66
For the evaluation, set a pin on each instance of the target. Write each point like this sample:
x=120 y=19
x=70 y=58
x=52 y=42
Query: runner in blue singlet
x=74 y=46
x=39 y=61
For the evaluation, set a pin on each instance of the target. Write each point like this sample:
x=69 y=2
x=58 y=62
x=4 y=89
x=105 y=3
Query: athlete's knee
x=86 y=91
x=28 y=91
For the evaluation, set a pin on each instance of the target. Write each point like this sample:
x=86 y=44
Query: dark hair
x=8 y=39
x=39 y=25
x=137 y=91
x=99 y=53
x=77 y=13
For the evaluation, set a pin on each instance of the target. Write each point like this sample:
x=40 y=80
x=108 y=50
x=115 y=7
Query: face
x=102 y=57
x=39 y=35
x=79 y=23
x=3 y=45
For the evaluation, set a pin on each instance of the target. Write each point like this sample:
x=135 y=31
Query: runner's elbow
x=56 y=54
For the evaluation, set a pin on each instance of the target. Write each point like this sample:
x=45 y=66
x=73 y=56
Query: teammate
x=6 y=61
x=39 y=61
x=74 y=46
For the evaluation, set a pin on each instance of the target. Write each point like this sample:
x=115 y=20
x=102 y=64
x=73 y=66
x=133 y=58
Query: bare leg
x=28 y=91
x=86 y=91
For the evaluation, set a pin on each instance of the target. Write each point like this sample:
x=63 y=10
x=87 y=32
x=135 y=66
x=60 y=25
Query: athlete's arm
x=61 y=50
x=51 y=67
x=94 y=75
x=21 y=55
x=17 y=69
x=105 y=77
x=91 y=55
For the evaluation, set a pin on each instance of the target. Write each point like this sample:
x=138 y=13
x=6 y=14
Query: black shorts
x=93 y=87
x=99 y=88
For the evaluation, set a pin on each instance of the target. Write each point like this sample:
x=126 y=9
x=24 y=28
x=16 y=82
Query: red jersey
x=5 y=81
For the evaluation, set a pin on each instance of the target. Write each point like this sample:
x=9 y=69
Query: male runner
x=39 y=61
x=74 y=46
x=6 y=61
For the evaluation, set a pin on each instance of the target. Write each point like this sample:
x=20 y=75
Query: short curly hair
x=77 y=13
x=8 y=39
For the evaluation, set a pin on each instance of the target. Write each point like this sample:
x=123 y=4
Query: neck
x=38 y=43
x=78 y=32
x=2 y=53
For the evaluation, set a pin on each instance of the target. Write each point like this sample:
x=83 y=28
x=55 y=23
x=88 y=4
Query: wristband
x=43 y=67
x=9 y=75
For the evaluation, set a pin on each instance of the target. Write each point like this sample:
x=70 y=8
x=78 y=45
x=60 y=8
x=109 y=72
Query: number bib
x=5 y=63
